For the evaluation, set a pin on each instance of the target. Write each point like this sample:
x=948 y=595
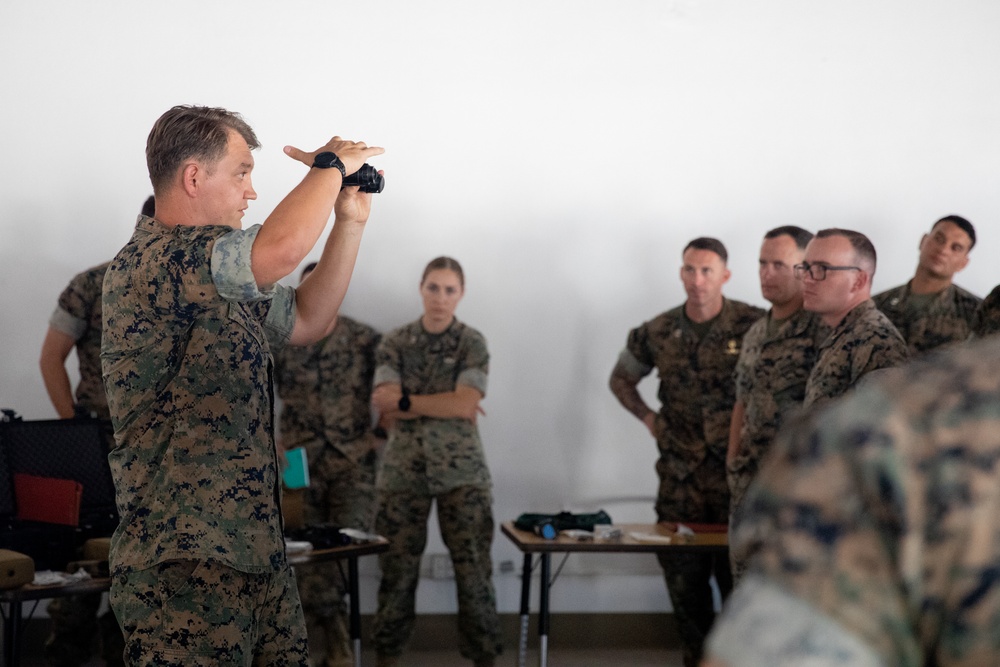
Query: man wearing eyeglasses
x=836 y=280
x=931 y=311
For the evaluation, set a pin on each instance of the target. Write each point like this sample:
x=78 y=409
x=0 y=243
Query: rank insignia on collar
x=732 y=347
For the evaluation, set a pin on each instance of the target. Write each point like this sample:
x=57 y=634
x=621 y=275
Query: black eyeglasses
x=818 y=271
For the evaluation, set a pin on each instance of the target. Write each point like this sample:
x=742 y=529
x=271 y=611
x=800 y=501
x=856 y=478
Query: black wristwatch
x=404 y=402
x=328 y=159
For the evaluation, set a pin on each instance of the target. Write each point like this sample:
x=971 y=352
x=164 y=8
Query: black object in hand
x=367 y=178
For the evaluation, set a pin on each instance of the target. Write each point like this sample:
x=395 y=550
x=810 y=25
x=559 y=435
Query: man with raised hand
x=192 y=315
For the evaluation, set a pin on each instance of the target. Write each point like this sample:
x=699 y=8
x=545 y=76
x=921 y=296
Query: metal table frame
x=530 y=544
x=16 y=597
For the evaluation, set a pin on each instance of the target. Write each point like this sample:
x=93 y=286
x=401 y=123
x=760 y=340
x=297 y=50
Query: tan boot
x=382 y=660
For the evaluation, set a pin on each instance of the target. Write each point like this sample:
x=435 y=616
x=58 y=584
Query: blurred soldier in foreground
x=986 y=321
x=876 y=528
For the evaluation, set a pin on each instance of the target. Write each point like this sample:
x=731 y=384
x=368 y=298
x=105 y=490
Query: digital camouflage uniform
x=771 y=375
x=944 y=318
x=696 y=393
x=986 y=321
x=428 y=459
x=877 y=527
x=188 y=372
x=325 y=390
x=74 y=621
x=78 y=315
x=864 y=341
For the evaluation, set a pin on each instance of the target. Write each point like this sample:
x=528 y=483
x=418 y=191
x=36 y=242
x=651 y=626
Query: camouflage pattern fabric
x=770 y=383
x=875 y=527
x=466 y=521
x=442 y=460
x=77 y=631
x=697 y=388
x=325 y=390
x=74 y=622
x=188 y=613
x=188 y=371
x=864 y=341
x=688 y=576
x=449 y=450
x=79 y=316
x=186 y=355
x=696 y=393
x=947 y=318
x=986 y=321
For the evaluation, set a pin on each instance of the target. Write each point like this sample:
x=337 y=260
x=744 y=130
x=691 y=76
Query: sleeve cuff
x=231 y=270
x=630 y=367
x=764 y=626
x=281 y=316
x=68 y=324
x=386 y=375
x=473 y=377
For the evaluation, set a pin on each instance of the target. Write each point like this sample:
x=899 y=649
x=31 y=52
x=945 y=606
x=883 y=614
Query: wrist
x=329 y=160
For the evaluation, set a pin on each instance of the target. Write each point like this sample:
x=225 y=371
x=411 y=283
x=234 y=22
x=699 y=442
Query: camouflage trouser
x=701 y=497
x=343 y=494
x=739 y=481
x=467 y=529
x=76 y=629
x=186 y=613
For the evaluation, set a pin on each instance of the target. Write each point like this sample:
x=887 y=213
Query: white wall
x=563 y=151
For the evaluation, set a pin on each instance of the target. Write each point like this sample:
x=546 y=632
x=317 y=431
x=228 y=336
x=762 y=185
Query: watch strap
x=328 y=159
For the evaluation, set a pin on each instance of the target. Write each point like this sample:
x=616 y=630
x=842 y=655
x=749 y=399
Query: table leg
x=522 y=647
x=355 y=629
x=12 y=633
x=543 y=611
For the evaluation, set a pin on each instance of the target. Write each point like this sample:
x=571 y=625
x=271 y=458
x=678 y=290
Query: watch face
x=325 y=160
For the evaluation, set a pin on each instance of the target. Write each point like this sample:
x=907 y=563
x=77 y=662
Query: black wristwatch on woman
x=404 y=402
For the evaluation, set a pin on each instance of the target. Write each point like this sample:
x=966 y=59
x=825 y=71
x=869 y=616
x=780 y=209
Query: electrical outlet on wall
x=440 y=566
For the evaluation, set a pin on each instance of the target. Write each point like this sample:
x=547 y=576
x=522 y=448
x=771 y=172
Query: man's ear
x=191 y=176
x=861 y=280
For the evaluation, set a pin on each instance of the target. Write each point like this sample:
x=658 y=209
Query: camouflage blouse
x=426 y=454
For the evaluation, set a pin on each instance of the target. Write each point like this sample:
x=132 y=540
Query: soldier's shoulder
x=358 y=328
x=883 y=299
x=966 y=298
x=757 y=331
x=92 y=276
x=960 y=381
x=665 y=321
x=744 y=313
x=470 y=331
